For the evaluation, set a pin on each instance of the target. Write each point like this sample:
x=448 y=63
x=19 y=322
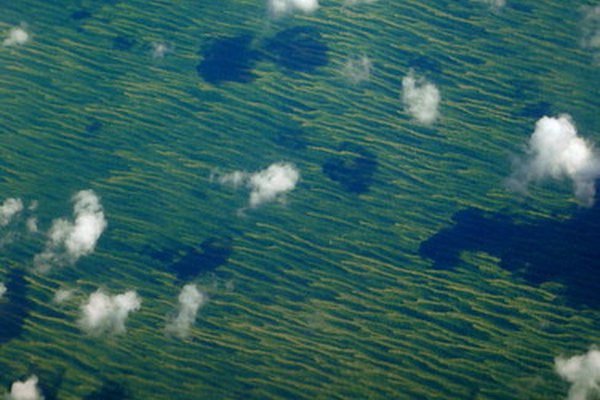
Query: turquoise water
x=338 y=293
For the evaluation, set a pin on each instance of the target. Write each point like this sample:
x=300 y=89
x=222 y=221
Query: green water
x=325 y=296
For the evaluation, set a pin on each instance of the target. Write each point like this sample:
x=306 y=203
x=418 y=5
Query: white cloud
x=32 y=224
x=9 y=209
x=2 y=289
x=353 y=2
x=27 y=390
x=278 y=8
x=421 y=98
x=591 y=31
x=271 y=183
x=235 y=179
x=63 y=295
x=358 y=69
x=583 y=372
x=67 y=240
x=494 y=3
x=555 y=151
x=106 y=314
x=159 y=50
x=190 y=301
x=267 y=185
x=16 y=36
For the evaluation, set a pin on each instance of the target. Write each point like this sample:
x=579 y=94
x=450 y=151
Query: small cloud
x=9 y=209
x=27 y=390
x=591 y=31
x=234 y=179
x=63 y=295
x=190 y=301
x=354 y=2
x=272 y=183
x=555 y=151
x=2 y=289
x=358 y=69
x=279 y=8
x=106 y=314
x=16 y=36
x=494 y=4
x=421 y=98
x=583 y=372
x=159 y=50
x=265 y=186
x=68 y=241
x=32 y=224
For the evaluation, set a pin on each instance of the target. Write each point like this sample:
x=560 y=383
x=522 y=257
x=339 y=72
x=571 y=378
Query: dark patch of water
x=353 y=167
x=544 y=251
x=425 y=64
x=536 y=110
x=188 y=261
x=229 y=59
x=14 y=306
x=123 y=43
x=290 y=138
x=110 y=390
x=299 y=49
x=80 y=15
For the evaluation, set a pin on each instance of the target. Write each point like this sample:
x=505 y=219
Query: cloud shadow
x=110 y=390
x=298 y=49
x=188 y=261
x=353 y=167
x=229 y=59
x=564 y=251
x=14 y=306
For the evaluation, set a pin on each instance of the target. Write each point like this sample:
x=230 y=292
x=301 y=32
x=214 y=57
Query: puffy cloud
x=555 y=151
x=357 y=69
x=68 y=241
x=16 y=36
x=159 y=50
x=2 y=289
x=421 y=98
x=190 y=301
x=266 y=185
x=271 y=183
x=27 y=390
x=9 y=209
x=278 y=8
x=63 y=295
x=591 y=31
x=583 y=372
x=106 y=314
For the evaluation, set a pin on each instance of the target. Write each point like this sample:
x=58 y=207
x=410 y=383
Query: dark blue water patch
x=93 y=127
x=518 y=6
x=14 y=306
x=188 y=261
x=123 y=43
x=353 y=167
x=80 y=15
x=229 y=59
x=110 y=390
x=536 y=110
x=425 y=64
x=298 y=49
x=50 y=383
x=524 y=89
x=537 y=251
x=291 y=138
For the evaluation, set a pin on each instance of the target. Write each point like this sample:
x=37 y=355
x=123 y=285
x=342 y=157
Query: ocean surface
x=400 y=267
